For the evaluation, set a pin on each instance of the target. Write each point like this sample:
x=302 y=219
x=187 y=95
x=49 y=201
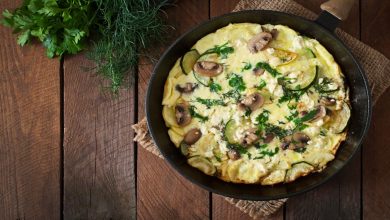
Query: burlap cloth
x=375 y=64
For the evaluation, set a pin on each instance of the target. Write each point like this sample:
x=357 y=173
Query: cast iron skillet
x=322 y=30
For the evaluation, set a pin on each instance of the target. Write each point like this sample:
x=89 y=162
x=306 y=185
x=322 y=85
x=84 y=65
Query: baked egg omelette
x=256 y=104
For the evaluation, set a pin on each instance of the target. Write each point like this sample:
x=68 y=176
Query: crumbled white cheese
x=274 y=61
x=307 y=101
x=270 y=50
x=312 y=131
x=278 y=91
x=271 y=82
x=319 y=122
x=297 y=43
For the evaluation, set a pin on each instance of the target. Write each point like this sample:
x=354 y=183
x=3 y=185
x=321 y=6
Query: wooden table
x=66 y=149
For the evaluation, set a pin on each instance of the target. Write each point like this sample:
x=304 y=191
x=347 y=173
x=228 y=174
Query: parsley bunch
x=61 y=26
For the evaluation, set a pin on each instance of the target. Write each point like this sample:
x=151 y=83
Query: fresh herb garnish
x=194 y=114
x=289 y=95
x=326 y=86
x=299 y=125
x=322 y=133
x=266 y=152
x=262 y=119
x=261 y=85
x=268 y=68
x=300 y=149
x=261 y=146
x=214 y=87
x=238 y=148
x=248 y=112
x=210 y=102
x=217 y=158
x=234 y=94
x=247 y=66
x=221 y=50
x=237 y=82
x=278 y=131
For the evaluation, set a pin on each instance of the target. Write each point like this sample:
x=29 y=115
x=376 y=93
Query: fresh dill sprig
x=126 y=27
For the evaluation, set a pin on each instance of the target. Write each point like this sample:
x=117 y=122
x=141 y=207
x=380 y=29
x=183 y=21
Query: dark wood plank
x=222 y=209
x=99 y=176
x=340 y=197
x=162 y=192
x=376 y=191
x=29 y=129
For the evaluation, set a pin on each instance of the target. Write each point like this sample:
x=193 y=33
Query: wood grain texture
x=162 y=192
x=340 y=198
x=376 y=191
x=222 y=210
x=99 y=177
x=29 y=130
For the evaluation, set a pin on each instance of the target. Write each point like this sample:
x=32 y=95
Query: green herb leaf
x=237 y=82
x=210 y=102
x=268 y=68
x=234 y=94
x=247 y=66
x=261 y=85
x=194 y=114
x=221 y=50
x=215 y=87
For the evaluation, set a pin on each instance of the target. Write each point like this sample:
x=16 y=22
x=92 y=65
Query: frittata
x=255 y=103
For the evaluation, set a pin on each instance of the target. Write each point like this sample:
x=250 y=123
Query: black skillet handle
x=333 y=12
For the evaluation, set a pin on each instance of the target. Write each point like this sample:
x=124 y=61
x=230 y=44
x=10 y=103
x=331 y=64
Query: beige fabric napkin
x=376 y=65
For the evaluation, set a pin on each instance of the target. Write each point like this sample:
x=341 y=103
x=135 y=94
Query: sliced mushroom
x=320 y=113
x=208 y=68
x=300 y=137
x=182 y=114
x=250 y=137
x=259 y=42
x=269 y=137
x=192 y=136
x=187 y=88
x=286 y=142
x=274 y=32
x=233 y=154
x=258 y=71
x=328 y=101
x=295 y=141
x=252 y=101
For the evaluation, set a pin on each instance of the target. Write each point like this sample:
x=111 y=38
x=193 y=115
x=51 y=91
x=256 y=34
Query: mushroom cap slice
x=328 y=101
x=320 y=113
x=192 y=136
x=300 y=137
x=182 y=114
x=259 y=42
x=233 y=154
x=208 y=68
x=253 y=101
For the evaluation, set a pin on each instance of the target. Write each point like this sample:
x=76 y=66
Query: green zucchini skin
x=188 y=61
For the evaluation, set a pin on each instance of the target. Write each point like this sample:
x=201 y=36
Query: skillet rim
x=256 y=197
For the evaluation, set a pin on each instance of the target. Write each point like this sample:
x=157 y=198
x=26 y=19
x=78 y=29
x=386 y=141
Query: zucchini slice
x=230 y=129
x=203 y=80
x=340 y=120
x=303 y=80
x=298 y=169
x=202 y=164
x=188 y=61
